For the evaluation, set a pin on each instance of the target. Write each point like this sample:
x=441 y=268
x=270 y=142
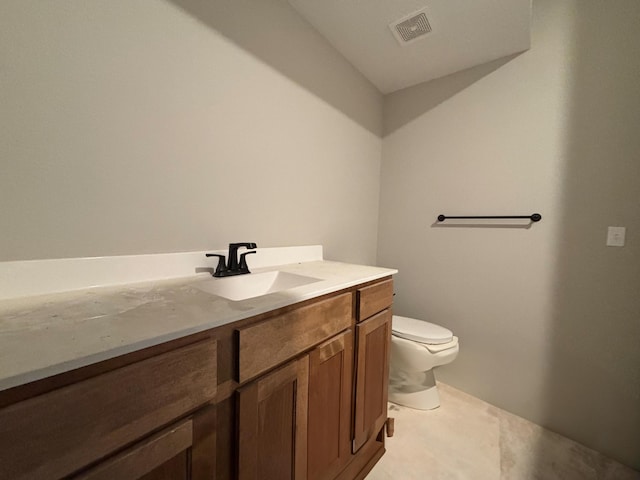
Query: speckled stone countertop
x=46 y=335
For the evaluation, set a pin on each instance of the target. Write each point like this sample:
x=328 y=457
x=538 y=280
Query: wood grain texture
x=272 y=424
x=272 y=342
x=363 y=461
x=60 y=432
x=145 y=456
x=330 y=394
x=227 y=335
x=175 y=469
x=54 y=382
x=374 y=298
x=372 y=376
x=226 y=439
x=203 y=452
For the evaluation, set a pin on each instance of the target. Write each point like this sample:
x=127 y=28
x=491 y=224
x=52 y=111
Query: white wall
x=548 y=316
x=157 y=126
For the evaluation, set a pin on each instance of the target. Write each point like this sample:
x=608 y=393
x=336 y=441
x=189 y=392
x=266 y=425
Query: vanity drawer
x=66 y=429
x=267 y=344
x=167 y=449
x=374 y=299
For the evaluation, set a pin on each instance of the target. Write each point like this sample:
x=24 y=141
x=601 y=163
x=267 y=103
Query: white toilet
x=416 y=348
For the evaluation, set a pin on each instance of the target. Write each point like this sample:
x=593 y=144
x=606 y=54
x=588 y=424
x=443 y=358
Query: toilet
x=416 y=348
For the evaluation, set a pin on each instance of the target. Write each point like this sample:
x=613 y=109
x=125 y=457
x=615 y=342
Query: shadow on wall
x=413 y=102
x=564 y=350
x=593 y=384
x=265 y=28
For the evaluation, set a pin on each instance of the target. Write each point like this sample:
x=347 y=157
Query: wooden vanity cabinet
x=143 y=415
x=373 y=298
x=164 y=455
x=272 y=424
x=330 y=399
x=319 y=411
x=286 y=418
x=295 y=423
x=297 y=393
x=373 y=344
x=372 y=377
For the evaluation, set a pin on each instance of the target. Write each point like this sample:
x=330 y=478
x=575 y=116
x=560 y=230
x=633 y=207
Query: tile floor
x=468 y=439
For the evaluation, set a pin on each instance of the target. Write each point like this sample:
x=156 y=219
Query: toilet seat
x=426 y=346
x=421 y=331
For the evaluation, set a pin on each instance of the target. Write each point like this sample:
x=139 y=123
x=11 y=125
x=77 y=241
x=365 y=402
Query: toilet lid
x=420 y=331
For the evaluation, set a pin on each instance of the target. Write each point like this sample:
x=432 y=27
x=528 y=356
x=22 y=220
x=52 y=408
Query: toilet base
x=414 y=390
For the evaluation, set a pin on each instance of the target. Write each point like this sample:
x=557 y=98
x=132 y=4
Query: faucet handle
x=243 y=267
x=222 y=267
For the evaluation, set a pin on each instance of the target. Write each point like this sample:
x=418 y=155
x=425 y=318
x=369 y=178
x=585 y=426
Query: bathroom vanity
x=297 y=391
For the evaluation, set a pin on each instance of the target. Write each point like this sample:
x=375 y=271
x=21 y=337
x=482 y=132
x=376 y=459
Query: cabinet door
x=330 y=373
x=272 y=424
x=372 y=376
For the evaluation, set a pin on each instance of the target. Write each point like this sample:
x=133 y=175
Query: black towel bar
x=535 y=217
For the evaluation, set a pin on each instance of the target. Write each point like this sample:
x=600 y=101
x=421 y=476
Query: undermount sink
x=252 y=285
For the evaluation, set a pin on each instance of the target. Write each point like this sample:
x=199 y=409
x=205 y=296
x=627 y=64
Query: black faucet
x=233 y=267
x=232 y=264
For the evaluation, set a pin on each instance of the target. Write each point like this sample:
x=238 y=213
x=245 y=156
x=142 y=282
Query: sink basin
x=254 y=284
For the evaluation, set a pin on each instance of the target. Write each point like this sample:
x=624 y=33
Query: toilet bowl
x=416 y=348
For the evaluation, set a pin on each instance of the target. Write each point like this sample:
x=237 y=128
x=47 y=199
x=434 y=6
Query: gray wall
x=157 y=126
x=548 y=316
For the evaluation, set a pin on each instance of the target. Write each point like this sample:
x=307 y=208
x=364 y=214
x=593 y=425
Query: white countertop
x=46 y=335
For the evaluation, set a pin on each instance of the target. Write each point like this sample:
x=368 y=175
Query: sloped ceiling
x=465 y=33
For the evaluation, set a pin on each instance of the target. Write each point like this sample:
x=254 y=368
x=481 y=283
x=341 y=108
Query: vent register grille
x=411 y=28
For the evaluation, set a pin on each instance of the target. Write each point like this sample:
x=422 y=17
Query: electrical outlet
x=615 y=236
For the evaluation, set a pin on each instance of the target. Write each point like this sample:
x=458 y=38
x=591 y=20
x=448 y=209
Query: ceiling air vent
x=411 y=28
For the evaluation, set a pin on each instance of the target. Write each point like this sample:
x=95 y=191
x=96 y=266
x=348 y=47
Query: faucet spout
x=233 y=267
